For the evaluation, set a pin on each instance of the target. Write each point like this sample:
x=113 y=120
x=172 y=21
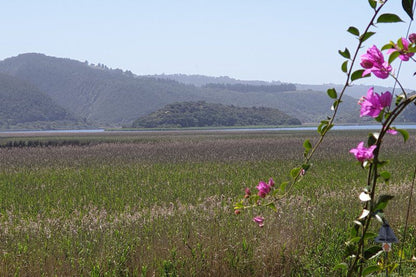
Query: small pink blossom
x=405 y=55
x=392 y=132
x=263 y=188
x=412 y=38
x=271 y=182
x=373 y=62
x=372 y=104
x=259 y=220
x=362 y=153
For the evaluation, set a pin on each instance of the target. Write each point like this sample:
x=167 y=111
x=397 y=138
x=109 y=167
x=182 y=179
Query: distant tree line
x=253 y=88
x=202 y=114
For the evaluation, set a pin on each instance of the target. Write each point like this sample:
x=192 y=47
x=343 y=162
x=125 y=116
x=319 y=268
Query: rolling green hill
x=202 y=114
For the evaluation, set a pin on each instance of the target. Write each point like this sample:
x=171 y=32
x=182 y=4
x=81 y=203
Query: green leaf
x=295 y=172
x=388 y=46
x=371 y=269
x=283 y=186
x=342 y=266
x=332 y=93
x=366 y=36
x=372 y=138
x=382 y=201
x=371 y=251
x=335 y=104
x=307 y=144
x=358 y=74
x=344 y=66
x=346 y=53
x=353 y=31
x=385 y=175
x=272 y=206
x=393 y=56
x=389 y=18
x=404 y=134
x=408 y=7
x=373 y=3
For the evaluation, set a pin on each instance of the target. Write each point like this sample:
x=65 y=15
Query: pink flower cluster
x=373 y=103
x=362 y=153
x=373 y=62
x=405 y=55
x=264 y=188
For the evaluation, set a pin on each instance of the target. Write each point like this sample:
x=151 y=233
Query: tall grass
x=143 y=204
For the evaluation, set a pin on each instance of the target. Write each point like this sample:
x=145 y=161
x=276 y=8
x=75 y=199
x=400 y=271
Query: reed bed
x=161 y=203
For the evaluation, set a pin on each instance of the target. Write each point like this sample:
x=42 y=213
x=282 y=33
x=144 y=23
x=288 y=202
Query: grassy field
x=161 y=203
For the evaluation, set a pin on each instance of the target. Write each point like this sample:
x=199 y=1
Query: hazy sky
x=290 y=41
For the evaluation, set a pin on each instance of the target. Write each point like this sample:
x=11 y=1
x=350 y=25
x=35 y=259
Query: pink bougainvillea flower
x=372 y=104
x=259 y=220
x=392 y=132
x=405 y=55
x=412 y=38
x=263 y=188
x=362 y=153
x=373 y=62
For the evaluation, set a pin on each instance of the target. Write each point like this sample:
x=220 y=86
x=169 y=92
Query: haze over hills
x=98 y=96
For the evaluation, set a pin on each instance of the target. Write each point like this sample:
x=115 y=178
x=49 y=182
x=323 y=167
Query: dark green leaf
x=404 y=134
x=393 y=56
x=371 y=269
x=373 y=3
x=353 y=31
x=389 y=18
x=306 y=166
x=366 y=36
x=346 y=53
x=332 y=93
x=385 y=175
x=372 y=138
x=373 y=250
x=408 y=7
x=382 y=201
x=344 y=66
x=358 y=74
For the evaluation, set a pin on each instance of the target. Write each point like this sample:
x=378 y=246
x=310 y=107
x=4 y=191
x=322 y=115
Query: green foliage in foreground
x=201 y=114
x=162 y=204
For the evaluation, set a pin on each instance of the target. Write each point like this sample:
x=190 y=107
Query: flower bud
x=412 y=38
x=237 y=212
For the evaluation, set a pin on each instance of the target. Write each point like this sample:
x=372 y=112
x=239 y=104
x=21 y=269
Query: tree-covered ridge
x=203 y=114
x=253 y=88
x=23 y=103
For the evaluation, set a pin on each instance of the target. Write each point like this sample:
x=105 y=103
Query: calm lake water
x=302 y=128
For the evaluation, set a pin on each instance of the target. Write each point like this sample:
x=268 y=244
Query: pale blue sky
x=290 y=41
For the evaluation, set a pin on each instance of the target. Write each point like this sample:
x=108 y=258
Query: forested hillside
x=105 y=97
x=202 y=114
x=22 y=104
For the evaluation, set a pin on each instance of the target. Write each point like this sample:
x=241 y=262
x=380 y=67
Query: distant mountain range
x=40 y=91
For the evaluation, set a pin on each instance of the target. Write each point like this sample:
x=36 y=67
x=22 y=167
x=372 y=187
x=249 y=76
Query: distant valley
x=43 y=92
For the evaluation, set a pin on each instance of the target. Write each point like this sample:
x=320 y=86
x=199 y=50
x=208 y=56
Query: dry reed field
x=161 y=203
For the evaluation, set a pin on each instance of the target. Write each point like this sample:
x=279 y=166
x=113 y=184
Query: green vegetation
x=161 y=203
x=202 y=114
x=23 y=103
